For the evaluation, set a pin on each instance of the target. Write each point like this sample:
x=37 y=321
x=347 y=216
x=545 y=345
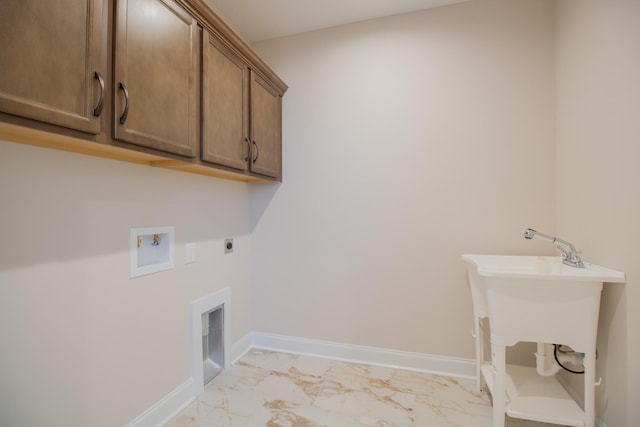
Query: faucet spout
x=570 y=255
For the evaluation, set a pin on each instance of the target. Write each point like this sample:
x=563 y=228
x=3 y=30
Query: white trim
x=166 y=408
x=241 y=347
x=198 y=308
x=441 y=365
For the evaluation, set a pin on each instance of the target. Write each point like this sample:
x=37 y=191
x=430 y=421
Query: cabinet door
x=266 y=124
x=156 y=76
x=50 y=59
x=225 y=106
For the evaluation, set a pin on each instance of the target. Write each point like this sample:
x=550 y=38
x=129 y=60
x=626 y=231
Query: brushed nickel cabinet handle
x=98 y=110
x=246 y=159
x=257 y=151
x=125 y=113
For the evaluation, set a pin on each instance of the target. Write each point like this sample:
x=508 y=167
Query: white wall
x=598 y=192
x=81 y=343
x=408 y=141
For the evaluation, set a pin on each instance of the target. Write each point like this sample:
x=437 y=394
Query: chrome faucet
x=570 y=255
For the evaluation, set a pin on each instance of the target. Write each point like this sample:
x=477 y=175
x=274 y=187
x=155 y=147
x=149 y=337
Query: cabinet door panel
x=266 y=123
x=156 y=61
x=49 y=52
x=225 y=101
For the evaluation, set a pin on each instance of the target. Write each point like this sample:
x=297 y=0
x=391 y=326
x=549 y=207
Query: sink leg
x=499 y=392
x=589 y=363
x=479 y=352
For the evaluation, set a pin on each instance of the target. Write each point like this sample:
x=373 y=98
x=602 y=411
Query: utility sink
x=536 y=299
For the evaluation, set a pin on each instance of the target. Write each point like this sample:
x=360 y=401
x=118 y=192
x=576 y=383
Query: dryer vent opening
x=210 y=334
x=212 y=343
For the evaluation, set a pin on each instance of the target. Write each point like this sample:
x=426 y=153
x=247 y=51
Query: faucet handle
x=574 y=259
x=565 y=251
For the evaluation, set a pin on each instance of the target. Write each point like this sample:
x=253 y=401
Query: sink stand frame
x=561 y=313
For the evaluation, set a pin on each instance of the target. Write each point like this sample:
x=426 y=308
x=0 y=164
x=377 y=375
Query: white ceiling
x=257 y=20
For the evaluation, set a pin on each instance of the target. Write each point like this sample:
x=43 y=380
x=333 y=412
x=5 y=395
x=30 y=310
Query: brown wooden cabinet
x=266 y=128
x=156 y=76
x=160 y=82
x=51 y=61
x=241 y=113
x=225 y=105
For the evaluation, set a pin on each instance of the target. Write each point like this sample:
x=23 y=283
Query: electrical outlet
x=190 y=253
x=228 y=246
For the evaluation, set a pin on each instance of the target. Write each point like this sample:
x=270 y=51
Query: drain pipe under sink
x=545 y=362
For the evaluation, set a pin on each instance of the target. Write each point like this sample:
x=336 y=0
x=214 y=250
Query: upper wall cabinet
x=241 y=113
x=156 y=76
x=266 y=128
x=159 y=82
x=50 y=55
x=225 y=105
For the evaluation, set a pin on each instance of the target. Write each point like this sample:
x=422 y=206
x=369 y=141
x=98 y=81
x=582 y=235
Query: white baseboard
x=441 y=365
x=240 y=347
x=167 y=407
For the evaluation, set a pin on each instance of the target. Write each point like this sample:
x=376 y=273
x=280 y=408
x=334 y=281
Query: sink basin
x=540 y=268
x=536 y=299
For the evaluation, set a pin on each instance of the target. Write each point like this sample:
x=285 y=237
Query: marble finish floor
x=272 y=389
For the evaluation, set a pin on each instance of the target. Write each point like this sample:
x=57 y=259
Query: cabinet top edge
x=209 y=19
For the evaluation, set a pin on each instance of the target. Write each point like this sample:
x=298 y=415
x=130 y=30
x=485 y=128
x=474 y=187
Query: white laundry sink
x=536 y=299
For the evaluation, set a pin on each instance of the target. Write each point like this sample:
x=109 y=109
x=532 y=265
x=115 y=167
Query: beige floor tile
x=274 y=389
